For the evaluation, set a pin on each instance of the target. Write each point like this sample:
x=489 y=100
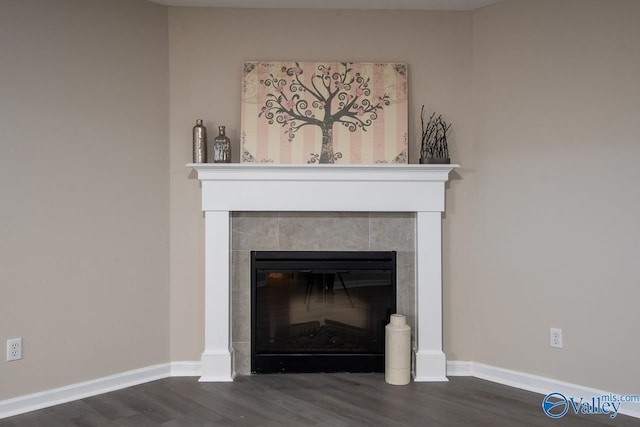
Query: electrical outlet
x=555 y=336
x=14 y=349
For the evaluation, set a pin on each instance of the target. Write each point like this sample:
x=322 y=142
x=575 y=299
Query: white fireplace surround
x=323 y=188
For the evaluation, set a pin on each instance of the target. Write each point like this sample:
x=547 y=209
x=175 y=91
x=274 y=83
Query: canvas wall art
x=324 y=112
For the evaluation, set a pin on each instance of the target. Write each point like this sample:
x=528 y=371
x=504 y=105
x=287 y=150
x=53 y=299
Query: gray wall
x=84 y=240
x=556 y=108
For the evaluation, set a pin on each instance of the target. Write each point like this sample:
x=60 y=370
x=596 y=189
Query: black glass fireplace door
x=321 y=311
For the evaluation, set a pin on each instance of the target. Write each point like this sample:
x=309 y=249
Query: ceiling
x=336 y=4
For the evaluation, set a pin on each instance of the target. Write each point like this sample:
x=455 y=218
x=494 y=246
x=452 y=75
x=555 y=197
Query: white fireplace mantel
x=323 y=188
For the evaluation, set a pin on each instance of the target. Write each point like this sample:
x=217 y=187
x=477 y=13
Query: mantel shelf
x=322 y=172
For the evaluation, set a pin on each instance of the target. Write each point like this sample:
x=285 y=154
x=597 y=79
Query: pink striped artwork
x=324 y=112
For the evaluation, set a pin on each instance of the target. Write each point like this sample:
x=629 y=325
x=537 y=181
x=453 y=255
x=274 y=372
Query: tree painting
x=324 y=96
x=340 y=96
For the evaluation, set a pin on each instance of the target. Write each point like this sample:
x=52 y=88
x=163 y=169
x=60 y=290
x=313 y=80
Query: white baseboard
x=459 y=369
x=534 y=383
x=56 y=396
x=186 y=369
x=44 y=399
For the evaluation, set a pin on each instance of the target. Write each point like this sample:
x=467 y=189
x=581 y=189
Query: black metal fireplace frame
x=318 y=261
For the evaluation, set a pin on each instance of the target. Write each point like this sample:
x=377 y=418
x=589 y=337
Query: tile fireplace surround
x=418 y=189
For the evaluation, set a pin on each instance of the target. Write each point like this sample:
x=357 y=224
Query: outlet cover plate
x=555 y=337
x=14 y=349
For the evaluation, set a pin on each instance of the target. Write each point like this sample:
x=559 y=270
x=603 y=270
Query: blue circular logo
x=555 y=405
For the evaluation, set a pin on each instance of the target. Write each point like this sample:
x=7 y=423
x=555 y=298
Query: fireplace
x=320 y=311
x=416 y=189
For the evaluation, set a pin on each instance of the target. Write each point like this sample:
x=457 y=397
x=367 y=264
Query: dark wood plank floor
x=310 y=400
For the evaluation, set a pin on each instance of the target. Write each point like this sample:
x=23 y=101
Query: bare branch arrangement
x=434 y=137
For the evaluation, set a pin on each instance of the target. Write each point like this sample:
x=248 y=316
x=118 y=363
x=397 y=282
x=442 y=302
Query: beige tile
x=254 y=231
x=241 y=296
x=392 y=231
x=406 y=290
x=324 y=231
x=242 y=358
x=315 y=231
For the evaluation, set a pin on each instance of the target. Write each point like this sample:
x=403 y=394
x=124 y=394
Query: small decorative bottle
x=221 y=152
x=199 y=142
x=397 y=359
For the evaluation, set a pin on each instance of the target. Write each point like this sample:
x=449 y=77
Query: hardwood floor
x=310 y=400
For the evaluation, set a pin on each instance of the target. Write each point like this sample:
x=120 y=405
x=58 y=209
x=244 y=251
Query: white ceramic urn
x=397 y=358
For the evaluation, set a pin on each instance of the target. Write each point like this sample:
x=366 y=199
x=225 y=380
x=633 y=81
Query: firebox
x=318 y=311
